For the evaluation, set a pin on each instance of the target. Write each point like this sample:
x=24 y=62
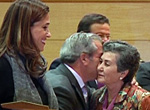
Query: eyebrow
x=47 y=24
x=106 y=60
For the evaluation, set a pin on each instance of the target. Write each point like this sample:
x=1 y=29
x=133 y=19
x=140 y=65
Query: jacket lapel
x=74 y=84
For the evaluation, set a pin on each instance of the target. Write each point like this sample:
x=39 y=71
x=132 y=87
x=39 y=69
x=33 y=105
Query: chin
x=41 y=49
x=101 y=81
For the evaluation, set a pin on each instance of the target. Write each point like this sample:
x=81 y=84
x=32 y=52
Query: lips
x=100 y=75
x=43 y=41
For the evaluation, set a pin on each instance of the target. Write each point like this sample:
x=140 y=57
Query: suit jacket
x=66 y=88
x=55 y=64
x=143 y=75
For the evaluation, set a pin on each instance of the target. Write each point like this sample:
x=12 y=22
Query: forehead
x=110 y=56
x=98 y=27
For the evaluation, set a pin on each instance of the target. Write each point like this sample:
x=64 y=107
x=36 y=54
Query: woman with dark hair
x=23 y=36
x=116 y=70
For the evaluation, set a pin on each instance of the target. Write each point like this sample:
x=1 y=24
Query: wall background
x=130 y=21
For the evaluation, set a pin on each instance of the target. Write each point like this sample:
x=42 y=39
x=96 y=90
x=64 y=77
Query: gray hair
x=128 y=59
x=76 y=44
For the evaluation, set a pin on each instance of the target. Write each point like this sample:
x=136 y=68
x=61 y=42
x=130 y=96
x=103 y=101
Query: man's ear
x=124 y=74
x=84 y=57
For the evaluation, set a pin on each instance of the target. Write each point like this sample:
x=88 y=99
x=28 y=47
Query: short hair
x=76 y=44
x=89 y=19
x=128 y=59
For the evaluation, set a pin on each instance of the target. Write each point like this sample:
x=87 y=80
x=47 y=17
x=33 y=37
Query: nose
x=105 y=39
x=48 y=34
x=100 y=67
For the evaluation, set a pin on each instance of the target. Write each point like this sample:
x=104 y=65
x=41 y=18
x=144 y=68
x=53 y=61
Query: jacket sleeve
x=63 y=90
x=6 y=81
x=143 y=75
x=65 y=98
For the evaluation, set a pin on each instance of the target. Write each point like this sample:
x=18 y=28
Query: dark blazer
x=66 y=88
x=6 y=82
x=55 y=64
x=143 y=75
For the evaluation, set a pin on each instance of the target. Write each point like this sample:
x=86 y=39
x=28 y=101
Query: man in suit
x=91 y=23
x=80 y=56
x=143 y=75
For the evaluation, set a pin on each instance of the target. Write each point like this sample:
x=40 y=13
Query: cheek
x=33 y=33
x=36 y=33
x=111 y=74
x=97 y=60
x=35 y=38
x=108 y=71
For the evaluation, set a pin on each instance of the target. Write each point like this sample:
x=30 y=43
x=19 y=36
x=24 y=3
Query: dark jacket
x=6 y=82
x=67 y=89
x=143 y=75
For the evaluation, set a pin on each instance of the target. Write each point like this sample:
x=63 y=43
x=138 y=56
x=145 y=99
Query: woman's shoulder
x=4 y=64
x=145 y=105
x=99 y=93
x=5 y=70
x=143 y=97
x=6 y=75
x=139 y=92
x=6 y=81
x=97 y=97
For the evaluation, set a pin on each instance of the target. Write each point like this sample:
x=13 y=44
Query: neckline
x=111 y=105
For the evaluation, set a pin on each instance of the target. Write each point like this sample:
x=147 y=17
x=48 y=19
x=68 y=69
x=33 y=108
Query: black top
x=7 y=84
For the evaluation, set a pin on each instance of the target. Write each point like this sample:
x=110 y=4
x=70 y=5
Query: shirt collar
x=77 y=76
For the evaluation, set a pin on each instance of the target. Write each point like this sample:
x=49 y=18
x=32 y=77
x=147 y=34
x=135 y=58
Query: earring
x=121 y=78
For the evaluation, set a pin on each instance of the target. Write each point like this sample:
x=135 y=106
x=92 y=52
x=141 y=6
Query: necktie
x=85 y=93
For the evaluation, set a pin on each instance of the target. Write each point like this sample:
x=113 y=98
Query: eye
x=107 y=63
x=104 y=35
x=108 y=36
x=45 y=28
x=100 y=61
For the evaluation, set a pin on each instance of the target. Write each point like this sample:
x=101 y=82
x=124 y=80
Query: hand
x=134 y=82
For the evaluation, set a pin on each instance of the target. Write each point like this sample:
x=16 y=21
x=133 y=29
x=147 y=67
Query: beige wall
x=130 y=21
